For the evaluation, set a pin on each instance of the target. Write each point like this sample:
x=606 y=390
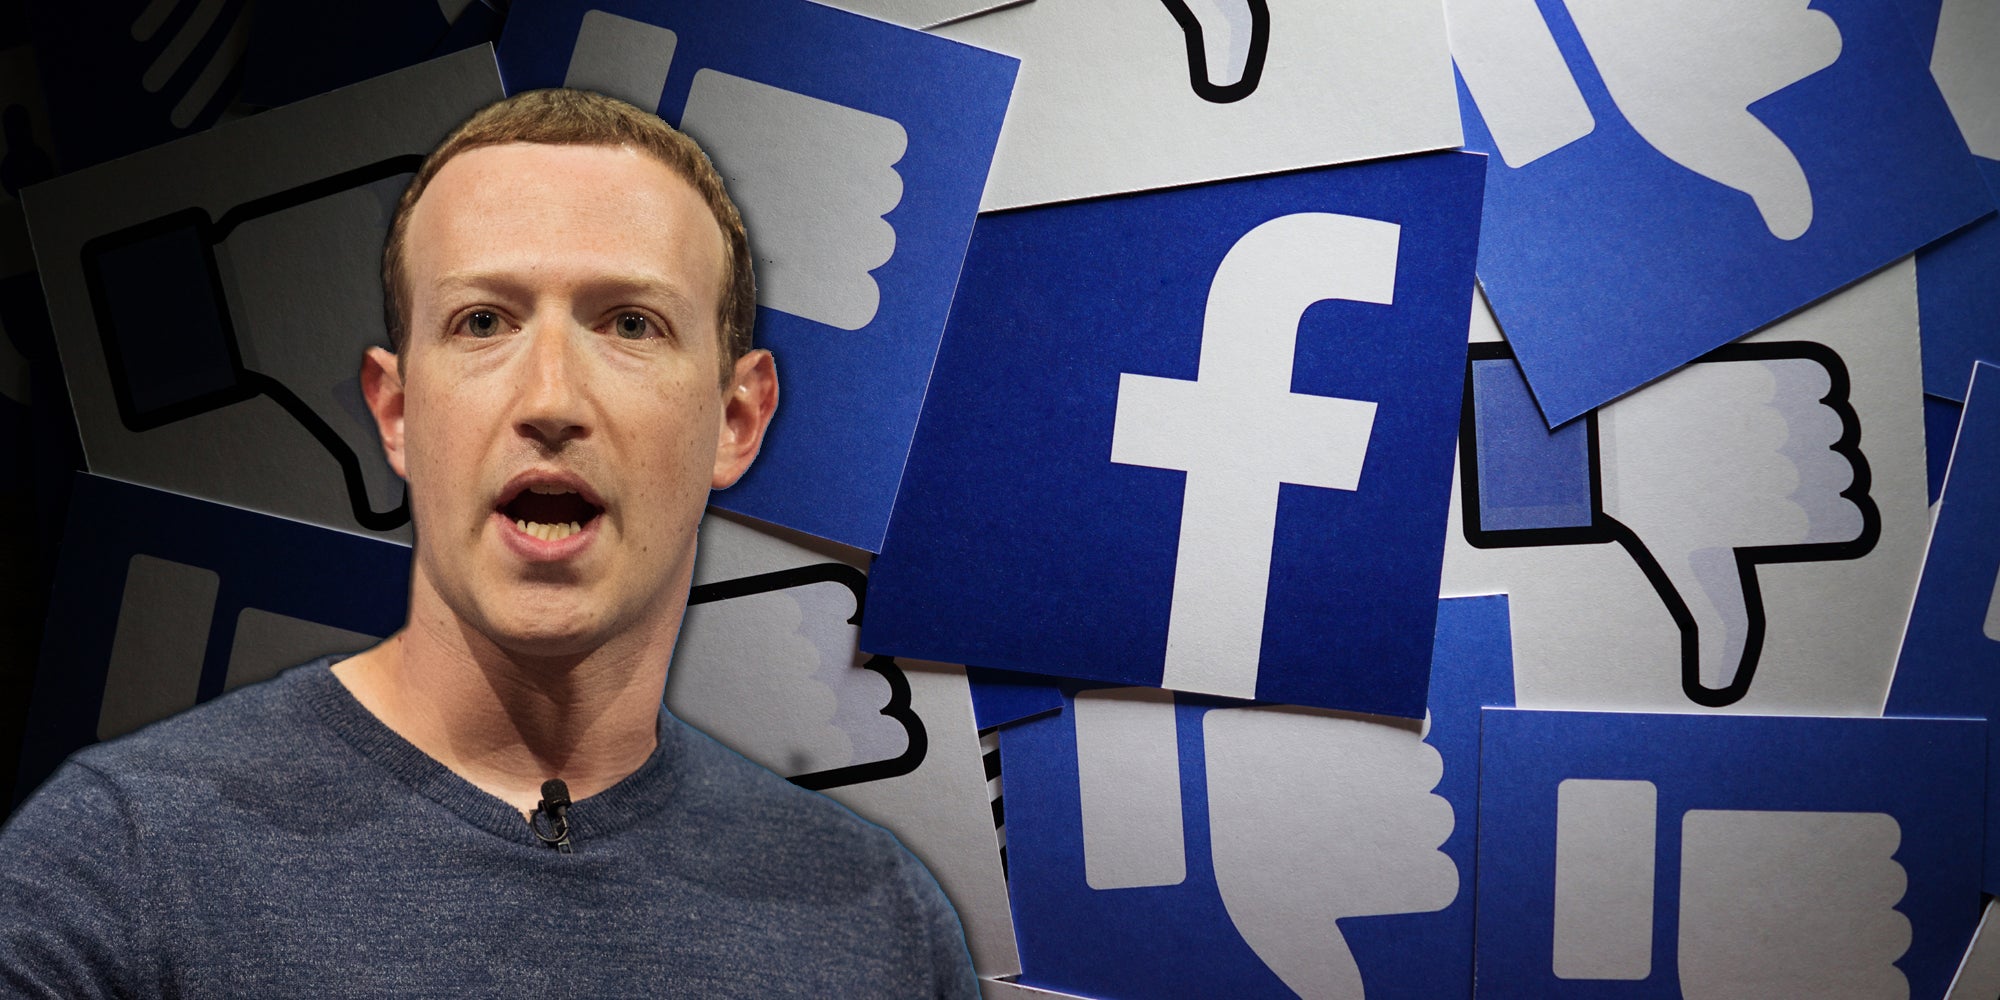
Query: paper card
x=1744 y=533
x=1955 y=275
x=1196 y=439
x=1000 y=697
x=212 y=298
x=995 y=989
x=1671 y=177
x=126 y=75
x=1125 y=95
x=1978 y=975
x=767 y=664
x=1165 y=846
x=1951 y=648
x=165 y=601
x=1688 y=856
x=856 y=151
x=1940 y=430
x=1959 y=300
x=296 y=51
x=923 y=13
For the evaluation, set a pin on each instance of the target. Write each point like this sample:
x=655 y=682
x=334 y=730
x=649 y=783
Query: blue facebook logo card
x=1950 y=662
x=1671 y=176
x=1632 y=855
x=164 y=601
x=1197 y=438
x=857 y=151
x=1167 y=845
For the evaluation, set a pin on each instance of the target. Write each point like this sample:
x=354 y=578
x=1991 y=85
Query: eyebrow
x=608 y=286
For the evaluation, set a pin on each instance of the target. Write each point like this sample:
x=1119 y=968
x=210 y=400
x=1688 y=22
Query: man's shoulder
x=747 y=808
x=718 y=778
x=257 y=729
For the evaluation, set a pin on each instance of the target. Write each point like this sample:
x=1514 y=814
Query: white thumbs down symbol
x=1750 y=457
x=1314 y=817
x=1684 y=73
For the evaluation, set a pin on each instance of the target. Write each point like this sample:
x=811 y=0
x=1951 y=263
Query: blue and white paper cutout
x=856 y=151
x=1748 y=458
x=1671 y=176
x=1777 y=496
x=1134 y=95
x=164 y=601
x=1626 y=855
x=1197 y=438
x=1958 y=296
x=1181 y=846
x=1950 y=664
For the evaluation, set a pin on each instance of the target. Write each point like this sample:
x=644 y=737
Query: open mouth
x=550 y=512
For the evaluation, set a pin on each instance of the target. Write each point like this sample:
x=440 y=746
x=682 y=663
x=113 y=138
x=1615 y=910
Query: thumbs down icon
x=1314 y=817
x=1683 y=73
x=1227 y=41
x=1749 y=456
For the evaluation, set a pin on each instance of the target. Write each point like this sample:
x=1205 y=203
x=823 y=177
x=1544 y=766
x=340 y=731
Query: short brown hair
x=566 y=117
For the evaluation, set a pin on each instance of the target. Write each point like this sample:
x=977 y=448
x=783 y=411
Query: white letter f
x=1238 y=431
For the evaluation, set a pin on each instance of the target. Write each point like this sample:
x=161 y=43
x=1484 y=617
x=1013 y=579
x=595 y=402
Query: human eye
x=636 y=326
x=479 y=323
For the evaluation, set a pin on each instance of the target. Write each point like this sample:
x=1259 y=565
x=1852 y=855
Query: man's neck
x=506 y=723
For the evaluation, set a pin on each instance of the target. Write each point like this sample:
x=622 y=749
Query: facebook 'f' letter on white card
x=856 y=151
x=1725 y=856
x=1674 y=175
x=1176 y=846
x=1198 y=439
x=1950 y=663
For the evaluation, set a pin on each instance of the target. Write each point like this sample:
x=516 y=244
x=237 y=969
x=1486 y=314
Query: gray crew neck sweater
x=280 y=841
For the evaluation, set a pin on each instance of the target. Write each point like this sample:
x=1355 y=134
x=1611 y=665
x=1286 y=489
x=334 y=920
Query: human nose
x=553 y=404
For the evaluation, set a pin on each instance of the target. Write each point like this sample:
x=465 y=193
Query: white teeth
x=550 y=490
x=548 y=532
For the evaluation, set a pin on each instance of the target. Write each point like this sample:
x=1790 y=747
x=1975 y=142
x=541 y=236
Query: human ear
x=747 y=404
x=382 y=387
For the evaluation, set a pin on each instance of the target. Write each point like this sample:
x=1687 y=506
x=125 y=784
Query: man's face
x=558 y=414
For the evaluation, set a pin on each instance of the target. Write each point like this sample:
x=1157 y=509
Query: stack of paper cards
x=1744 y=532
x=1687 y=856
x=1125 y=95
x=1950 y=663
x=1178 y=846
x=1672 y=176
